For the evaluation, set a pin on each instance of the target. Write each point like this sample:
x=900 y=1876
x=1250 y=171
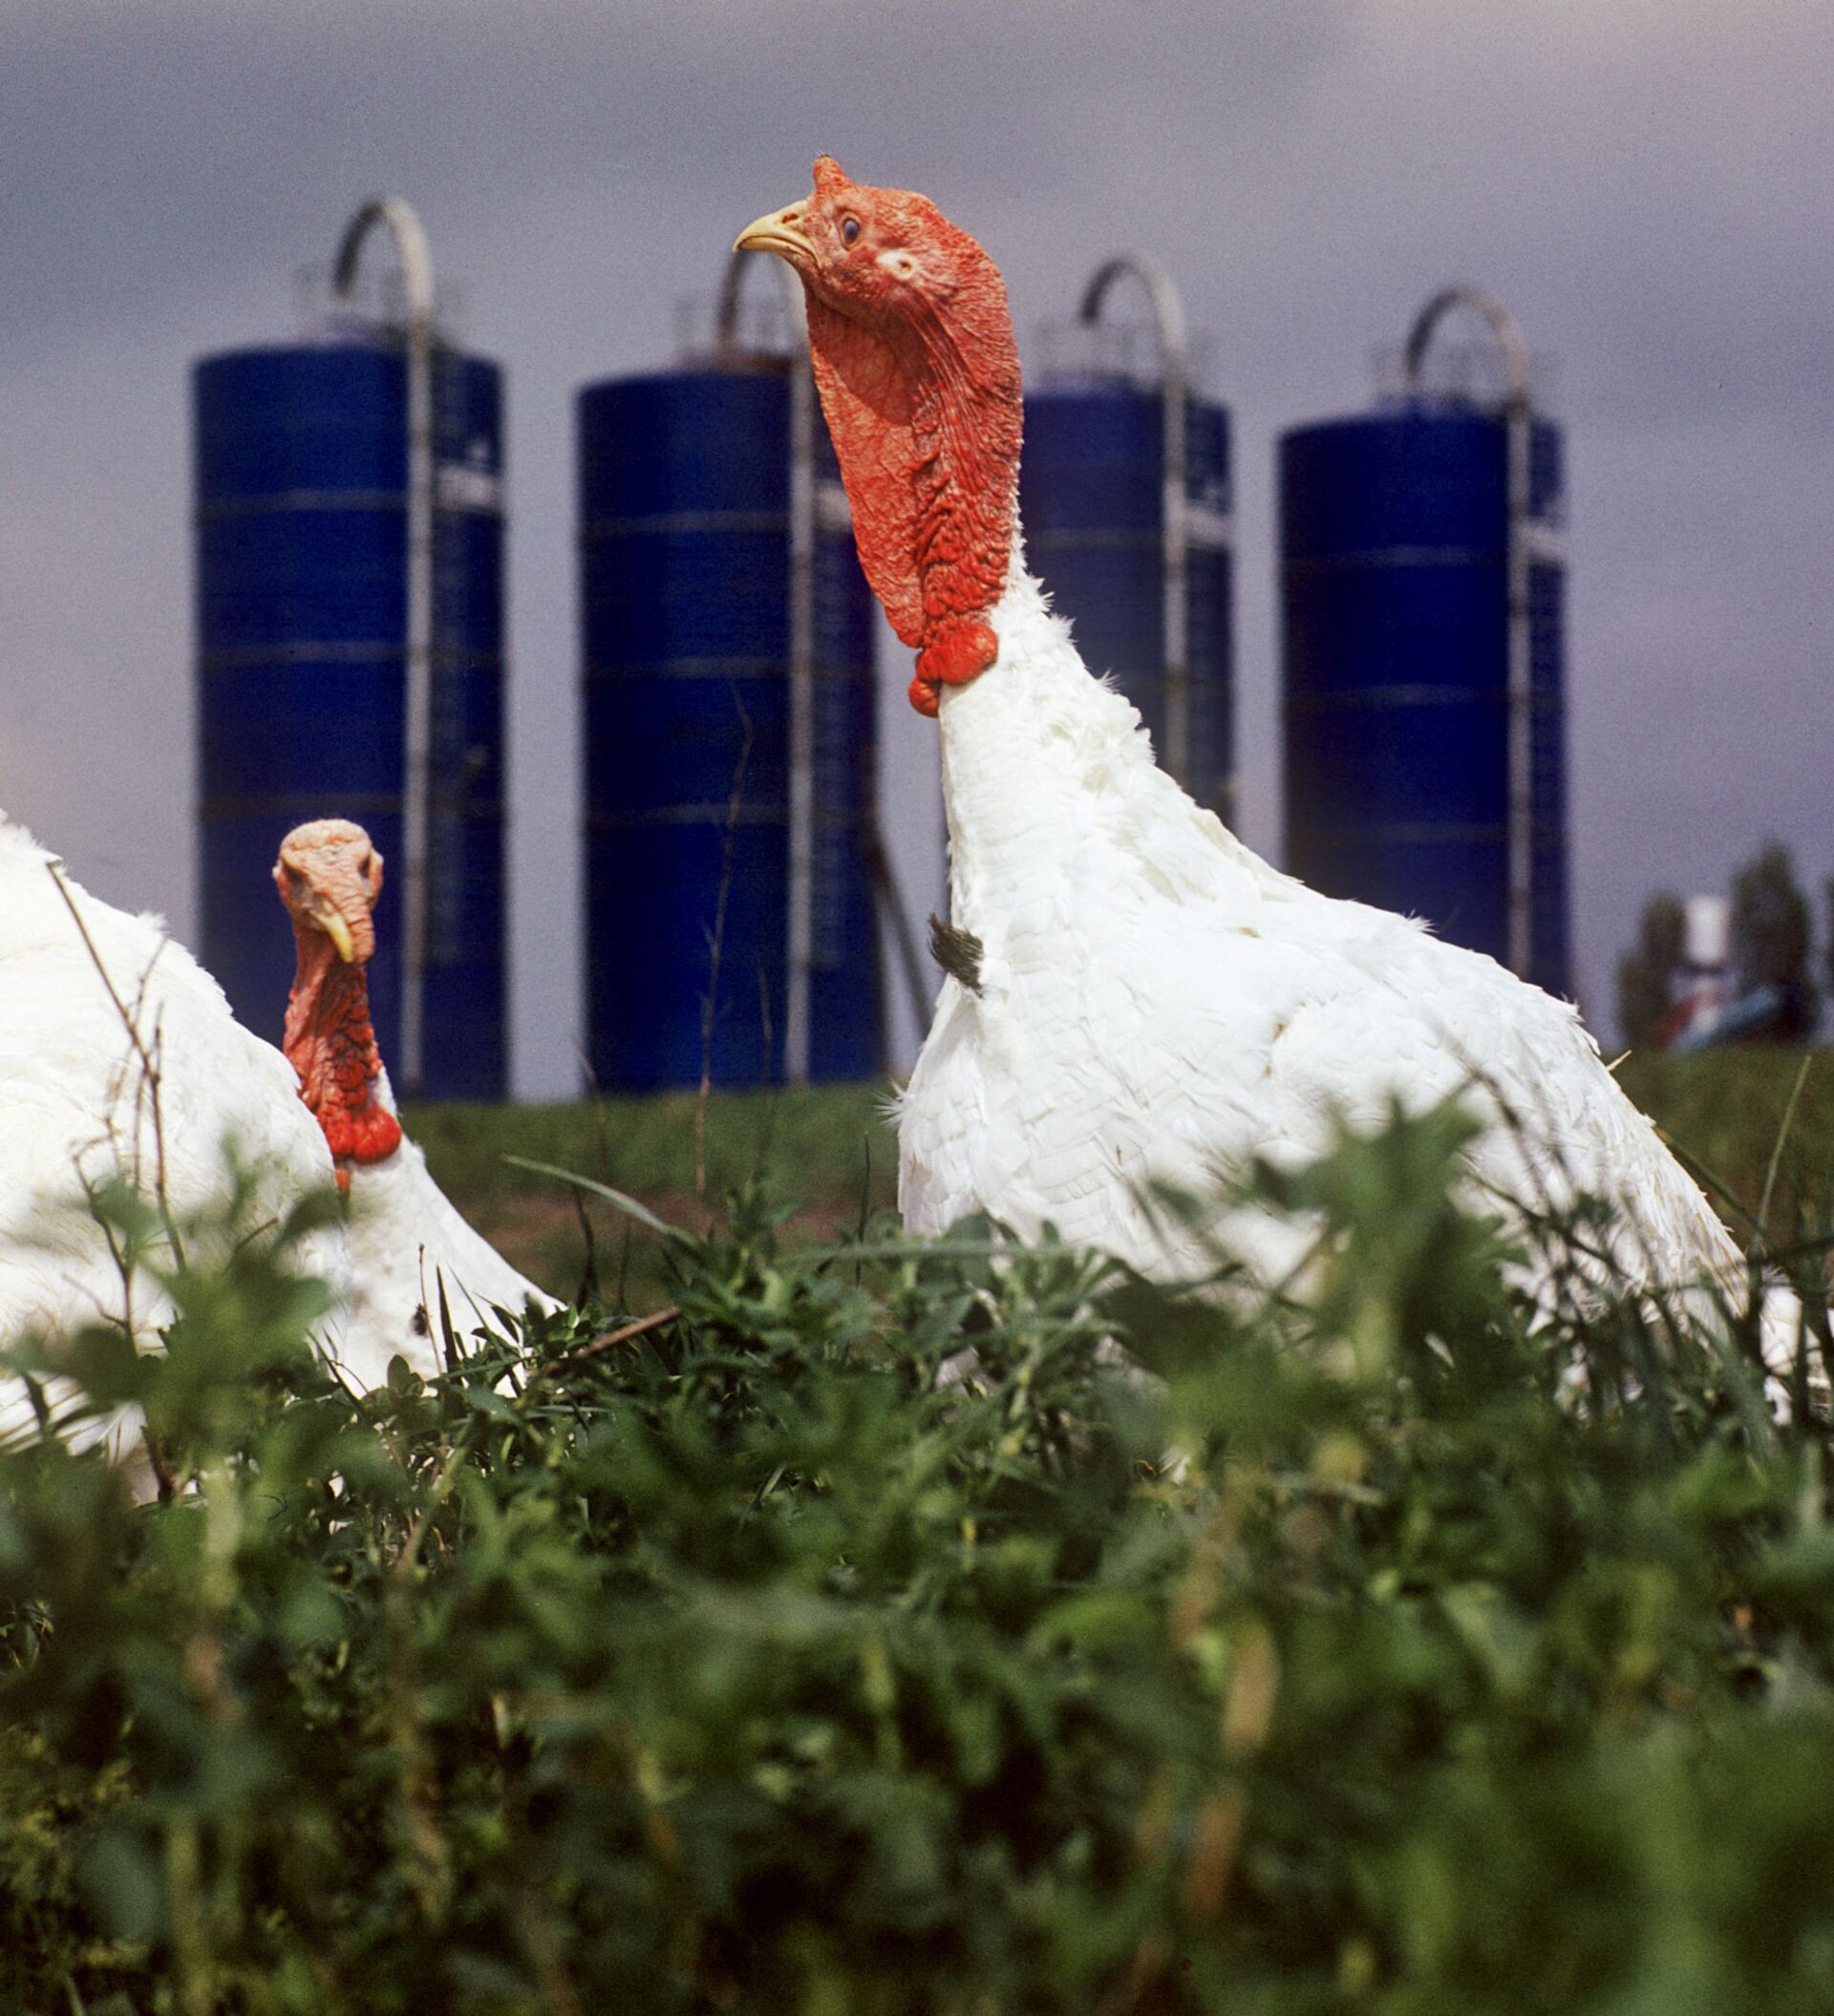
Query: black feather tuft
x=956 y=952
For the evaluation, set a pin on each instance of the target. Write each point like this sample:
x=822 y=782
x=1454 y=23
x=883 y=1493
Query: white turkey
x=1135 y=994
x=120 y=1059
x=408 y=1247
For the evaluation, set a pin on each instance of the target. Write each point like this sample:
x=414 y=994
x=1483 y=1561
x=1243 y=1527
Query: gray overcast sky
x=1647 y=184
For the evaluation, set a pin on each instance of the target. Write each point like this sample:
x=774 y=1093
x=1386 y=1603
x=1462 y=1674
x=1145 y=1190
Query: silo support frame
x=800 y=917
x=418 y=291
x=1519 y=449
x=1521 y=698
x=1168 y=316
x=918 y=984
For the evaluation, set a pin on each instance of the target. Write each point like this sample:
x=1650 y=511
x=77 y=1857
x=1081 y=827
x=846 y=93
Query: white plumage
x=76 y=1109
x=408 y=1247
x=1157 y=1002
x=1150 y=1001
x=410 y=1251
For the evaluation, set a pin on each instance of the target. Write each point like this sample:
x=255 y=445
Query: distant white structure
x=1703 y=987
x=1708 y=939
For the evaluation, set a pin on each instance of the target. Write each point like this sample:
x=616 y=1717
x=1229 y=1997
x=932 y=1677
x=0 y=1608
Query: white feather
x=408 y=1248
x=76 y=1109
x=1157 y=1002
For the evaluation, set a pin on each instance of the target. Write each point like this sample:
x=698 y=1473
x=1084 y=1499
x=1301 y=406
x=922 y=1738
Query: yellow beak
x=779 y=232
x=330 y=921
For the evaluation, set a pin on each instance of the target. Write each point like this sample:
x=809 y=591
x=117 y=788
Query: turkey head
x=914 y=358
x=328 y=877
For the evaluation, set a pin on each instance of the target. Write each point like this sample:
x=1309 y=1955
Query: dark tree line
x=1771 y=946
x=1646 y=972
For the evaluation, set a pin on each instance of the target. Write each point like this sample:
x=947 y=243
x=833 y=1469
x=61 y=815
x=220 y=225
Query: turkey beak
x=329 y=920
x=780 y=231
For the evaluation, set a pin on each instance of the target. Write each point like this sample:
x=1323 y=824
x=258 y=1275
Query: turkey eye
x=849 y=230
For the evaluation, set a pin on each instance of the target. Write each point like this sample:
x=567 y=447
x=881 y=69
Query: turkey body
x=411 y=1256
x=1134 y=997
x=410 y=1250
x=1156 y=1003
x=77 y=1111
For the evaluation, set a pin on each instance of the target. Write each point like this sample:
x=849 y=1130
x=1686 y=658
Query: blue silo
x=1092 y=499
x=686 y=585
x=1396 y=548
x=301 y=490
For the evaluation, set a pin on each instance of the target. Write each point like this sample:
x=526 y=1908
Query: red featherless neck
x=915 y=361
x=331 y=1043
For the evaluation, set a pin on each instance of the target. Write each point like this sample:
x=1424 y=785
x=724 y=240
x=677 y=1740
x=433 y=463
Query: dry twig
x=714 y=943
x=611 y=1338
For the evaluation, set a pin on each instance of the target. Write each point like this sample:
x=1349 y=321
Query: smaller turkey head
x=328 y=877
x=912 y=345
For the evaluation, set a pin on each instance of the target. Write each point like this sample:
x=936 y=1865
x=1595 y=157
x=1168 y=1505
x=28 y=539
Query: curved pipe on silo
x=300 y=494
x=799 y=912
x=1422 y=665
x=403 y=224
x=1168 y=319
x=812 y=503
x=684 y=494
x=1519 y=423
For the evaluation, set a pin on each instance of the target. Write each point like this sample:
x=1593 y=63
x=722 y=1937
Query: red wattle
x=924 y=407
x=361 y=1134
x=867 y=400
x=331 y=1043
x=956 y=653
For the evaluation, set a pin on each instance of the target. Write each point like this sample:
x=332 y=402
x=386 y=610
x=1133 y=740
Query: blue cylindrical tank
x=301 y=474
x=684 y=532
x=1093 y=504
x=1394 y=541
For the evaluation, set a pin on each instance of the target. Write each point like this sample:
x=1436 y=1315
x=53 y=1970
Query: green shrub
x=872 y=1637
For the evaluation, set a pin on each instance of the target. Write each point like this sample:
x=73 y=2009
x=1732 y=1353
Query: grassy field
x=833 y=1149
x=1476 y=1653
x=1725 y=1109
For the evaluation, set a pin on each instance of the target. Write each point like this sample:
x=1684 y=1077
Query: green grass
x=1724 y=1111
x=831 y=1148
x=815 y=1143
x=1476 y=1655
